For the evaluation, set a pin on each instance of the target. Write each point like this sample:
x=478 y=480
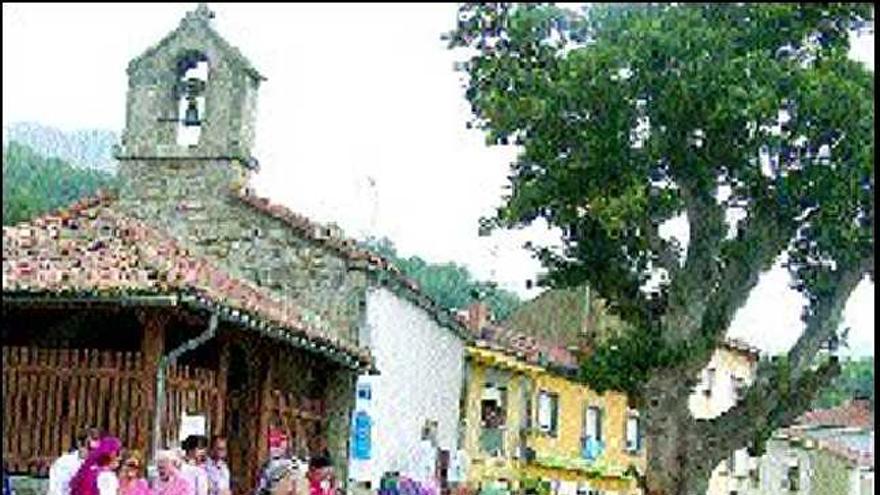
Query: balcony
x=492 y=441
x=591 y=449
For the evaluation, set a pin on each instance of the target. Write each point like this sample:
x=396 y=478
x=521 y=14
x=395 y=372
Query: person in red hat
x=278 y=454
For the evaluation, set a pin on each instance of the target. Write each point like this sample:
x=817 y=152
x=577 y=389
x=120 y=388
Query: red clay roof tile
x=91 y=247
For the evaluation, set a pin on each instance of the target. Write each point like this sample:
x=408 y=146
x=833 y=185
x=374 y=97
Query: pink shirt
x=176 y=485
x=136 y=487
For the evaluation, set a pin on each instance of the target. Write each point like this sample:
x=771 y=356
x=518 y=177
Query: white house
x=730 y=371
x=421 y=364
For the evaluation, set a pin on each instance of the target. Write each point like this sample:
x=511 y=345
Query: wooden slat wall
x=194 y=391
x=300 y=418
x=50 y=394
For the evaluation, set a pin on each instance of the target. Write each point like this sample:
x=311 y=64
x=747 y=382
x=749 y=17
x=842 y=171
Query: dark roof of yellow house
x=564 y=317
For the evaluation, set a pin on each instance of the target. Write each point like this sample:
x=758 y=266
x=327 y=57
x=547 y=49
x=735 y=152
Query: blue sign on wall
x=363 y=392
x=361 y=442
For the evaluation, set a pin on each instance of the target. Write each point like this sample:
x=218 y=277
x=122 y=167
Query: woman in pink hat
x=97 y=476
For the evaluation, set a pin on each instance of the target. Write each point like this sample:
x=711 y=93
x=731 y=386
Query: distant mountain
x=88 y=148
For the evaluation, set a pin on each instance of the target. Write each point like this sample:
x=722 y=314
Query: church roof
x=91 y=249
x=384 y=270
x=199 y=21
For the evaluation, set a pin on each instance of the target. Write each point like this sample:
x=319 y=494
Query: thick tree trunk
x=674 y=464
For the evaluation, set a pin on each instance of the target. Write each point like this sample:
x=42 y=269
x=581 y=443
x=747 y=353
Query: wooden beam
x=153 y=323
x=222 y=384
x=266 y=386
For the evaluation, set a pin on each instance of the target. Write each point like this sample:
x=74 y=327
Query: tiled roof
x=854 y=445
x=92 y=248
x=332 y=238
x=741 y=346
x=838 y=447
x=526 y=347
x=854 y=414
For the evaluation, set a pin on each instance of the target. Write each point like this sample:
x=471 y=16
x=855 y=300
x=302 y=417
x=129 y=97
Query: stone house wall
x=193 y=201
x=230 y=102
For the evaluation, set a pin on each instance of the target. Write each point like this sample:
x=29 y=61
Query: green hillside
x=34 y=185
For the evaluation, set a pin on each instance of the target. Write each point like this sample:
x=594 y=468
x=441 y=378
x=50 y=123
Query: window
x=526 y=387
x=633 y=433
x=593 y=423
x=548 y=412
x=739 y=387
x=755 y=477
x=192 y=69
x=793 y=479
x=493 y=416
x=591 y=442
x=710 y=382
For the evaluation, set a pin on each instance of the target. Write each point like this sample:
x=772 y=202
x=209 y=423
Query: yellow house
x=529 y=426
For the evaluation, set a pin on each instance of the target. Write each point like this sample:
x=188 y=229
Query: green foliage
x=629 y=115
x=451 y=285
x=35 y=185
x=856 y=379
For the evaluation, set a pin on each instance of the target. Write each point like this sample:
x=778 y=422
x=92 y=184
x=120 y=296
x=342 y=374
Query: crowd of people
x=99 y=465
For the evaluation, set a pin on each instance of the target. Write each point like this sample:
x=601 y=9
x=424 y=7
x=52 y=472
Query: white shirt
x=108 y=483
x=62 y=471
x=197 y=476
x=425 y=465
x=218 y=476
x=458 y=467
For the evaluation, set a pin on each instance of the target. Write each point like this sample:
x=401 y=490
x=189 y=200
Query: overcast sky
x=361 y=122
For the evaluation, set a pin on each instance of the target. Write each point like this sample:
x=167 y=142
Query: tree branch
x=760 y=241
x=823 y=320
x=774 y=401
x=689 y=291
x=782 y=393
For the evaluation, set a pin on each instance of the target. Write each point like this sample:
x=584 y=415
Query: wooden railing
x=51 y=394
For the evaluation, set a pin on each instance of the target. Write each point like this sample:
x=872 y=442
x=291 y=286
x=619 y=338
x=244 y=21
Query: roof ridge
x=101 y=197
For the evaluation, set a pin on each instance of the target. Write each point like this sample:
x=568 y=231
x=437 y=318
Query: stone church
x=184 y=294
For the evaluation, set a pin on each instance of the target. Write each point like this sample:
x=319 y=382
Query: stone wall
x=191 y=201
x=340 y=403
x=230 y=107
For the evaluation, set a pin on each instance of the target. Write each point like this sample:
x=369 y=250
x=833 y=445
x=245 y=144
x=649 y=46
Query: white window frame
x=633 y=416
x=595 y=424
x=549 y=424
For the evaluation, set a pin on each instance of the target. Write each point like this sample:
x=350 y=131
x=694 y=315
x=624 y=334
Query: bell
x=191 y=117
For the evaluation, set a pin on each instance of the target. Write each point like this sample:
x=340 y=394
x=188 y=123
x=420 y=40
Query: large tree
x=629 y=116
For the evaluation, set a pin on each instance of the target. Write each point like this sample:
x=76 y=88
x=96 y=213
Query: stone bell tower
x=190 y=115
